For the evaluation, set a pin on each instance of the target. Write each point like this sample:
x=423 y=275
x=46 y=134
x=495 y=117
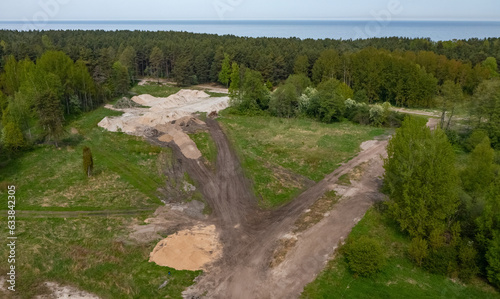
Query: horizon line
x=246 y=20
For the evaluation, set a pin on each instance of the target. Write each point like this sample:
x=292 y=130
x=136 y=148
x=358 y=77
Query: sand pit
x=162 y=112
x=188 y=249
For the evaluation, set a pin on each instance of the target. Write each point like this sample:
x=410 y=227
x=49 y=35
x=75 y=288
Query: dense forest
x=48 y=75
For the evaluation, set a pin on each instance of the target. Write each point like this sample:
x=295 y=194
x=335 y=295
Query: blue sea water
x=435 y=30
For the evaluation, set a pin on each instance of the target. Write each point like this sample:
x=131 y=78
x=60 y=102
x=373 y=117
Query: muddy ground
x=250 y=235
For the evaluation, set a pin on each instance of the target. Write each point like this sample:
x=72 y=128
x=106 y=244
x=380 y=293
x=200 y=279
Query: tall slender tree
x=225 y=73
x=156 y=60
x=421 y=179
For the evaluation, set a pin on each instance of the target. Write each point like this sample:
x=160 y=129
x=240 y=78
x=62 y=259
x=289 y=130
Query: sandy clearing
x=162 y=110
x=189 y=249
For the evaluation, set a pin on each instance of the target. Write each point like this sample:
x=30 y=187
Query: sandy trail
x=249 y=234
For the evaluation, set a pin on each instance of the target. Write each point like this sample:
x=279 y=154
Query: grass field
x=92 y=253
x=156 y=90
x=207 y=147
x=399 y=278
x=127 y=171
x=274 y=151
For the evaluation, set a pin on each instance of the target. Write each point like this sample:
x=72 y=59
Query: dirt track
x=250 y=234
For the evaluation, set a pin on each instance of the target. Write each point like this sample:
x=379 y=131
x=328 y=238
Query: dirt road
x=250 y=234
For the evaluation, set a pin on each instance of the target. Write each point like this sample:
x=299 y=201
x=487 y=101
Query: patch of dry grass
x=281 y=251
x=316 y=212
x=304 y=147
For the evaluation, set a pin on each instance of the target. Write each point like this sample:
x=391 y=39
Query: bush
x=394 y=119
x=442 y=261
x=453 y=137
x=365 y=256
x=474 y=139
x=88 y=163
x=125 y=103
x=467 y=256
x=418 y=250
x=362 y=115
x=377 y=115
x=493 y=260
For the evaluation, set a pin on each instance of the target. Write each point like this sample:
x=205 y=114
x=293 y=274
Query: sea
x=302 y=29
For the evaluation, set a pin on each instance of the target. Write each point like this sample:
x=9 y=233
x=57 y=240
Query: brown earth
x=250 y=235
x=189 y=249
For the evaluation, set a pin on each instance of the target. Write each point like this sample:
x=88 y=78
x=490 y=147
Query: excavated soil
x=162 y=111
x=189 y=249
x=251 y=236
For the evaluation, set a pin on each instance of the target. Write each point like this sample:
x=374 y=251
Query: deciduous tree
x=421 y=178
x=225 y=73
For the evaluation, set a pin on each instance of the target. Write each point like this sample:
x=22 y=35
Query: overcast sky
x=249 y=9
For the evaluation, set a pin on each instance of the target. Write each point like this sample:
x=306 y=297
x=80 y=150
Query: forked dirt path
x=250 y=235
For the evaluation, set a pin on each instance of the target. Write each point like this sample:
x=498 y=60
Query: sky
x=43 y=10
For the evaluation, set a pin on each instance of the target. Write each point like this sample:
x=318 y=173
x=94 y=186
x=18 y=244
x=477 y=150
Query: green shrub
x=474 y=139
x=88 y=163
x=453 y=137
x=377 y=115
x=467 y=256
x=493 y=259
x=365 y=256
x=418 y=250
x=394 y=119
x=442 y=261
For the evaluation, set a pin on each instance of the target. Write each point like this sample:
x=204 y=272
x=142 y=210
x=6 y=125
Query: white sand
x=162 y=112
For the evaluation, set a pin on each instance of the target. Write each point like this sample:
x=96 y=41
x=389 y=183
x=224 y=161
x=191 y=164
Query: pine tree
x=156 y=59
x=128 y=59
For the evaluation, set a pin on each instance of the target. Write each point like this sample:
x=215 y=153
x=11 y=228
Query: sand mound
x=163 y=110
x=161 y=114
x=187 y=146
x=188 y=249
x=183 y=97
